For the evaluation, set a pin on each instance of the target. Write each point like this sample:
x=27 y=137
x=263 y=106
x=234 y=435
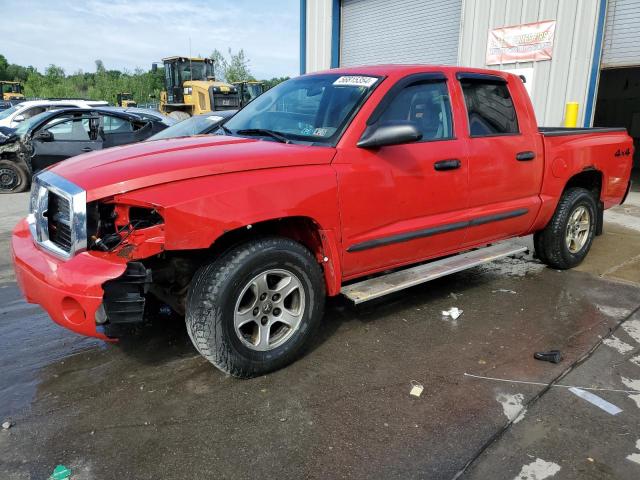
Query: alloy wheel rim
x=269 y=309
x=578 y=228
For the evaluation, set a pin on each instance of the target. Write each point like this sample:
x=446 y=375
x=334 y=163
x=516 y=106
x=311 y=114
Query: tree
x=236 y=69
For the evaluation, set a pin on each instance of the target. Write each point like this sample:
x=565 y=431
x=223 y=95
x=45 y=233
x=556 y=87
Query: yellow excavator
x=125 y=100
x=11 y=90
x=249 y=90
x=191 y=88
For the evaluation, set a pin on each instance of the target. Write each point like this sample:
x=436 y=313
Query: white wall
x=563 y=79
x=318 y=35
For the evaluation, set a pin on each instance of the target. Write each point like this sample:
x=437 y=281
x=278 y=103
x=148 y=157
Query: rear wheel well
x=587 y=179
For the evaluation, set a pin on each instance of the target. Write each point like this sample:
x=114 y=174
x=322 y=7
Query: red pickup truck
x=319 y=187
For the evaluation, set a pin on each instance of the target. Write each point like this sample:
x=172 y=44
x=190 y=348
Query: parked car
x=321 y=186
x=145 y=114
x=4 y=105
x=56 y=135
x=196 y=125
x=24 y=110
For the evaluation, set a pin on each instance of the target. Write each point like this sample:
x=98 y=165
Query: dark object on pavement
x=553 y=356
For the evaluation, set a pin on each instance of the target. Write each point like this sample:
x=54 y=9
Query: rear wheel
x=567 y=239
x=13 y=177
x=255 y=309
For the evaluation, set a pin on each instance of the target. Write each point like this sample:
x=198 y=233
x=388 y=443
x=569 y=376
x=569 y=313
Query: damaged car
x=50 y=137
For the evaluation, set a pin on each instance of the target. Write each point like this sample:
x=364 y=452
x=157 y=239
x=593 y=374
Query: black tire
x=216 y=289
x=551 y=243
x=14 y=177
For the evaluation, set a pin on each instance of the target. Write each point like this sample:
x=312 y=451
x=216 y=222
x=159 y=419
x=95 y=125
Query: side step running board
x=392 y=282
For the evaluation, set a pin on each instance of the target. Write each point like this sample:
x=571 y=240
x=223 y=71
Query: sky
x=126 y=34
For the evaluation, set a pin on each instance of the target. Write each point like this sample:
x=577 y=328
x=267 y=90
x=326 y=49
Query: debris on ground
x=7 y=425
x=453 y=312
x=416 y=389
x=60 y=473
x=594 y=399
x=504 y=290
x=553 y=356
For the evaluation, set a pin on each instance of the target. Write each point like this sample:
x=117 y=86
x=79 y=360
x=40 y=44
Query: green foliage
x=102 y=85
x=105 y=84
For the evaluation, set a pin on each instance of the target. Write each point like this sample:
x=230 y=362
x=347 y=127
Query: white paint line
x=524 y=382
x=512 y=406
x=635 y=457
x=634 y=384
x=617 y=344
x=538 y=470
x=596 y=400
x=632 y=327
x=613 y=312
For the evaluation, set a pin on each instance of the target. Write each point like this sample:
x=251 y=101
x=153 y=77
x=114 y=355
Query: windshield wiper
x=264 y=132
x=226 y=130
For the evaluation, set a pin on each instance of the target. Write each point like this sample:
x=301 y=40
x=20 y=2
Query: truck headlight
x=187 y=90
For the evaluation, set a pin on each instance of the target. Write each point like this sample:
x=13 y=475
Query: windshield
x=195 y=71
x=26 y=125
x=314 y=108
x=8 y=112
x=190 y=126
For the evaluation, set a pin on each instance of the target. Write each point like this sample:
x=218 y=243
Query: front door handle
x=451 y=164
x=525 y=156
x=87 y=149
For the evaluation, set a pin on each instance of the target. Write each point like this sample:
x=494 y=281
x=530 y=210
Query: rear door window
x=490 y=108
x=116 y=125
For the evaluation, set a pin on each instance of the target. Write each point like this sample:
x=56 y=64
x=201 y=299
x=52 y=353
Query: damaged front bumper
x=70 y=291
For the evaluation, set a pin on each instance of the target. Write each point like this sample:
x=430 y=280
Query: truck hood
x=123 y=169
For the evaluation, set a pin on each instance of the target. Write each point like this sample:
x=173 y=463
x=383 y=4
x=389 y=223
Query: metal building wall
x=318 y=35
x=621 y=46
x=563 y=79
x=399 y=31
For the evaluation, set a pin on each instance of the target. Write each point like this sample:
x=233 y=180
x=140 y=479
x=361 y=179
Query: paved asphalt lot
x=151 y=408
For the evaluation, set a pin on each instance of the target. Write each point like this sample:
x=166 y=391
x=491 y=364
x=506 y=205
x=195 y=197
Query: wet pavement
x=151 y=408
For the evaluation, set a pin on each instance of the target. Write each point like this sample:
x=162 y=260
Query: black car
x=53 y=136
x=196 y=125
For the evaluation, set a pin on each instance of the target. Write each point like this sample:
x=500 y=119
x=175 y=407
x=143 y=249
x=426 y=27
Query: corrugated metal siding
x=318 y=35
x=400 y=31
x=563 y=79
x=621 y=46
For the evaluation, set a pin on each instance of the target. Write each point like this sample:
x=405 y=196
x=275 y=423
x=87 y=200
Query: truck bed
x=560 y=131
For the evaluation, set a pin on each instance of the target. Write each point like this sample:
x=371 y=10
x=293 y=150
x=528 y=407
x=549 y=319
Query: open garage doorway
x=618 y=105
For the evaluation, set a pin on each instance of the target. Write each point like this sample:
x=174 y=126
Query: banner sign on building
x=530 y=42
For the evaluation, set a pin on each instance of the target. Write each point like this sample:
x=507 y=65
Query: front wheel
x=256 y=308
x=567 y=239
x=14 y=177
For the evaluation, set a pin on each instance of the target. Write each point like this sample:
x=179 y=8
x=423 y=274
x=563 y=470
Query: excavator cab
x=191 y=88
x=249 y=90
x=11 y=91
x=125 y=100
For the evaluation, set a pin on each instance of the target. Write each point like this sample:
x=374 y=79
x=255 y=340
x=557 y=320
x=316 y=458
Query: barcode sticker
x=355 y=81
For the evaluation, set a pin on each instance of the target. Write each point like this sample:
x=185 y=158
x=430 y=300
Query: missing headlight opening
x=110 y=224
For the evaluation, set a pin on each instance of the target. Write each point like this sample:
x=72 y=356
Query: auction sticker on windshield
x=355 y=81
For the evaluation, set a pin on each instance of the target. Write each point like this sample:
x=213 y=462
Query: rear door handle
x=525 y=156
x=451 y=164
x=87 y=149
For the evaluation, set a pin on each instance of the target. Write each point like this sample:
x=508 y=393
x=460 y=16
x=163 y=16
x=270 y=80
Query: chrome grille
x=57 y=216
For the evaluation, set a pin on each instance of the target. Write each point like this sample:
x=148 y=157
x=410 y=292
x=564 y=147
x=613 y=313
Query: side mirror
x=154 y=67
x=18 y=118
x=44 y=136
x=394 y=133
